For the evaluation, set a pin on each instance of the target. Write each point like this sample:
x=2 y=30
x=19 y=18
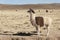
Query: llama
x=34 y=22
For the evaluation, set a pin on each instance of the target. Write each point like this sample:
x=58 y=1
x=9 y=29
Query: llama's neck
x=32 y=16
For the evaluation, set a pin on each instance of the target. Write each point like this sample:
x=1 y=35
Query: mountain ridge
x=34 y=6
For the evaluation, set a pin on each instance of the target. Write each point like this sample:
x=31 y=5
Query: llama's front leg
x=38 y=32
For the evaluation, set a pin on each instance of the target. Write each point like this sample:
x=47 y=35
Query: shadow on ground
x=23 y=34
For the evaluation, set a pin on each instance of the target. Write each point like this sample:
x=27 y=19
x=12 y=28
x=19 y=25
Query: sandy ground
x=13 y=21
x=10 y=37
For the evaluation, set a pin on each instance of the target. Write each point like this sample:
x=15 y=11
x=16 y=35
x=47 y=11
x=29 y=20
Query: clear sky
x=28 y=1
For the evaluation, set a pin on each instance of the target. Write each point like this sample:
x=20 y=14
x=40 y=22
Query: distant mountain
x=34 y=6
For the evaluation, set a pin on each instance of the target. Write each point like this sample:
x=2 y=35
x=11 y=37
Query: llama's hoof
x=34 y=31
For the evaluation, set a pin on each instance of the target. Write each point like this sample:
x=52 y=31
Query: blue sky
x=28 y=1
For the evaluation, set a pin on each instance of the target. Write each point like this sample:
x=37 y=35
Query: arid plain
x=15 y=19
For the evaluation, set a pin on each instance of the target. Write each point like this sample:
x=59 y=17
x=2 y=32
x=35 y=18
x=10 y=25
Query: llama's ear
x=31 y=11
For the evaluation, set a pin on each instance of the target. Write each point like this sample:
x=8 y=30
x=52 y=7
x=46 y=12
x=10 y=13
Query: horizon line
x=27 y=3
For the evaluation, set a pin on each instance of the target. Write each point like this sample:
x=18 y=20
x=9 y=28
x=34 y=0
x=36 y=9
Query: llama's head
x=31 y=11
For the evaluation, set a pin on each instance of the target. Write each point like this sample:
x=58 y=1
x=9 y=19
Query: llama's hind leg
x=47 y=32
